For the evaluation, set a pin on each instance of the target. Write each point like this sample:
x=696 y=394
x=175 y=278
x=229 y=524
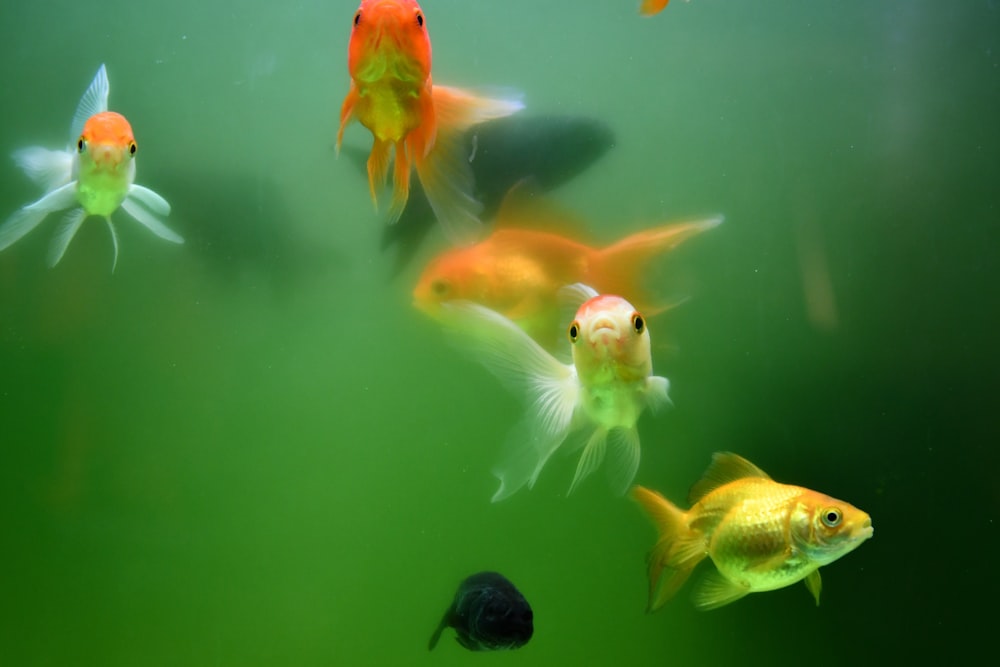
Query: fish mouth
x=602 y=328
x=866 y=531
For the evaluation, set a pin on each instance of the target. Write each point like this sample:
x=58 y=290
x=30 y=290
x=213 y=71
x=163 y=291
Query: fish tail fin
x=30 y=216
x=437 y=632
x=442 y=162
x=622 y=264
x=678 y=550
x=551 y=388
x=400 y=182
x=378 y=167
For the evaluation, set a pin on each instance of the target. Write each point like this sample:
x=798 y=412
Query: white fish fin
x=94 y=100
x=591 y=457
x=656 y=392
x=624 y=458
x=573 y=296
x=526 y=451
x=133 y=208
x=149 y=199
x=714 y=591
x=64 y=234
x=114 y=241
x=49 y=169
x=28 y=217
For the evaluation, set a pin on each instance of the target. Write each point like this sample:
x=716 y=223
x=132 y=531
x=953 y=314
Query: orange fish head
x=446 y=278
x=389 y=37
x=826 y=528
x=107 y=140
x=607 y=330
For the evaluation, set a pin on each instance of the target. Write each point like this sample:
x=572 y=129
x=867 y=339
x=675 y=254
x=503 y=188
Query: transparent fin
x=29 y=217
x=656 y=392
x=67 y=229
x=725 y=467
x=154 y=202
x=49 y=169
x=94 y=100
x=151 y=222
x=591 y=457
x=624 y=455
x=444 y=171
x=525 y=452
x=814 y=583
x=714 y=591
x=114 y=242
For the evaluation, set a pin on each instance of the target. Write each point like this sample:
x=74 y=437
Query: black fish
x=488 y=614
x=545 y=150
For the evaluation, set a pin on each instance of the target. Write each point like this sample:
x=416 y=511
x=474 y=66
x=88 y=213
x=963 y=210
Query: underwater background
x=252 y=450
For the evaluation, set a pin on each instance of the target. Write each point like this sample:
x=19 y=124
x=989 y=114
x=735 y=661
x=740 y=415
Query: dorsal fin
x=94 y=101
x=726 y=467
x=523 y=207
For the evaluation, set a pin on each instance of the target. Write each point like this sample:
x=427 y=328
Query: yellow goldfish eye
x=574 y=332
x=80 y=145
x=832 y=517
x=637 y=323
x=131 y=148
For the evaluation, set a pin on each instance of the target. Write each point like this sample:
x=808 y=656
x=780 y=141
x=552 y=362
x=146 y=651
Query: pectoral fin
x=29 y=217
x=815 y=584
x=150 y=221
x=49 y=169
x=64 y=234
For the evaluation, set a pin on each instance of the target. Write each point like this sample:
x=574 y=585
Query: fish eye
x=357 y=18
x=420 y=19
x=832 y=517
x=80 y=145
x=574 y=332
x=440 y=287
x=638 y=323
x=131 y=148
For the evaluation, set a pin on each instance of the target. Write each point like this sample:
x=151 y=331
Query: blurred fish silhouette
x=98 y=174
x=518 y=270
x=488 y=614
x=546 y=151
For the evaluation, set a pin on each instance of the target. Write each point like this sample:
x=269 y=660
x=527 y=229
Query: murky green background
x=251 y=450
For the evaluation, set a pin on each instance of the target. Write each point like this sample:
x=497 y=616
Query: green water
x=251 y=450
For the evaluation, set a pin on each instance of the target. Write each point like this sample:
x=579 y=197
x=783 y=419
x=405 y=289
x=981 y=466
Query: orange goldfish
x=518 y=272
x=761 y=535
x=420 y=124
x=97 y=173
x=650 y=7
x=599 y=396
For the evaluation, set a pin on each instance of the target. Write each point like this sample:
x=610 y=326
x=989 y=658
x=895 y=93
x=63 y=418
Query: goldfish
x=517 y=271
x=598 y=397
x=650 y=7
x=488 y=614
x=417 y=123
x=760 y=534
x=97 y=173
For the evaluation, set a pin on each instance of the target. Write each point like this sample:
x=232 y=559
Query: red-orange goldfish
x=518 y=272
x=391 y=94
x=761 y=535
x=97 y=173
x=650 y=7
x=599 y=397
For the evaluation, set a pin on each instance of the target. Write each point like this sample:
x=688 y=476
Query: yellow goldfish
x=761 y=535
x=97 y=173
x=599 y=396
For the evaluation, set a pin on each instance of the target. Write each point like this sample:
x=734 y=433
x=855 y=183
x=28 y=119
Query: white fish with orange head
x=761 y=535
x=598 y=398
x=94 y=176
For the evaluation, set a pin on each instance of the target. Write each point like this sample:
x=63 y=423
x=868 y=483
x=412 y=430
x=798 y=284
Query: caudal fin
x=445 y=171
x=619 y=267
x=678 y=550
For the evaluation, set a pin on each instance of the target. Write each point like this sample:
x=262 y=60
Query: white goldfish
x=97 y=173
x=598 y=397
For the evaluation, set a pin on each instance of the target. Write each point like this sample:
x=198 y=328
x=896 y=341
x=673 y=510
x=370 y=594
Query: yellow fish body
x=761 y=535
